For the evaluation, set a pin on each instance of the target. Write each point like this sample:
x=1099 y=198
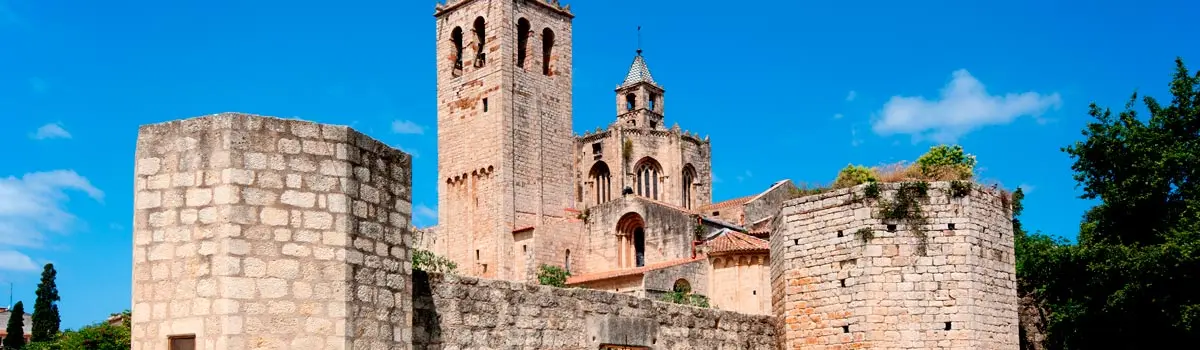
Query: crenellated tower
x=504 y=127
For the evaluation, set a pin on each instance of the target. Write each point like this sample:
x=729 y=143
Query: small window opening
x=477 y=254
x=891 y=228
x=524 y=248
x=845 y=329
x=950 y=226
x=484 y=268
x=843 y=282
x=639 y=246
x=754 y=292
x=480 y=42
x=597 y=148
x=947 y=325
x=653 y=124
x=485 y=105
x=839 y=233
x=796 y=241
x=522 y=41
x=715 y=213
x=567 y=261
x=653 y=101
x=547 y=51
x=630 y=102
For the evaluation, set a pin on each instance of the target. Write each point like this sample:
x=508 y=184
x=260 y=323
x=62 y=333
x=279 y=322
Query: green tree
x=100 y=336
x=1133 y=279
x=16 y=328
x=945 y=161
x=46 y=320
x=554 y=276
x=427 y=261
x=853 y=175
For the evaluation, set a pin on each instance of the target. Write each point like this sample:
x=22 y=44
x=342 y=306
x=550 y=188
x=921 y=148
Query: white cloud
x=423 y=215
x=1027 y=188
x=838 y=116
x=851 y=96
x=855 y=141
x=32 y=206
x=12 y=260
x=407 y=127
x=964 y=106
x=51 y=131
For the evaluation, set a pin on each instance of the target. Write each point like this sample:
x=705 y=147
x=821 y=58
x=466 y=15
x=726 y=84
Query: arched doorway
x=631 y=241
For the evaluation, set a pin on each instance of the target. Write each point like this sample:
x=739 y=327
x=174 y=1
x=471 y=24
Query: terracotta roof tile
x=728 y=203
x=733 y=241
x=591 y=277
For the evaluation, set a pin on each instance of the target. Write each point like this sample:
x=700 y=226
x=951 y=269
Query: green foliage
x=100 y=336
x=46 y=319
x=959 y=188
x=804 y=189
x=16 y=328
x=871 y=190
x=425 y=260
x=945 y=161
x=686 y=298
x=905 y=206
x=865 y=234
x=1132 y=281
x=853 y=175
x=554 y=276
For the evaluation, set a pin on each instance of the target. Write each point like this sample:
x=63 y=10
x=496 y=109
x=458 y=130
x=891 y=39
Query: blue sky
x=785 y=89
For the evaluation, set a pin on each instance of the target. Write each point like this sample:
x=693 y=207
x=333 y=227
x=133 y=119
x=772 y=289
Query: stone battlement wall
x=452 y=312
x=255 y=232
x=844 y=276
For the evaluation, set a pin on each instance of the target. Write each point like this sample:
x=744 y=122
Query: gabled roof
x=639 y=72
x=591 y=277
x=736 y=202
x=735 y=242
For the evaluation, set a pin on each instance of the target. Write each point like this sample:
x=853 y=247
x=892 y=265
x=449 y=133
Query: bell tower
x=504 y=127
x=639 y=98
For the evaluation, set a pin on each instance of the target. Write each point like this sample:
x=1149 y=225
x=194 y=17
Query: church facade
x=626 y=207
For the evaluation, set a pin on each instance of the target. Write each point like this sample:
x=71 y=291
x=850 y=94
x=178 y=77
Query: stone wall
x=669 y=233
x=662 y=281
x=258 y=232
x=465 y=313
x=767 y=203
x=844 y=276
x=741 y=282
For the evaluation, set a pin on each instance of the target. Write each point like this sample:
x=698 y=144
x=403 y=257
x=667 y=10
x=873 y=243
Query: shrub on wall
x=853 y=175
x=552 y=276
x=424 y=260
x=947 y=162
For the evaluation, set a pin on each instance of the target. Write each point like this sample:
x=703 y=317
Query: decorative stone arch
x=689 y=180
x=631 y=241
x=648 y=171
x=456 y=39
x=682 y=286
x=601 y=178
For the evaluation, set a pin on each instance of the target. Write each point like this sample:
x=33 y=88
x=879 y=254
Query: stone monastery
x=255 y=232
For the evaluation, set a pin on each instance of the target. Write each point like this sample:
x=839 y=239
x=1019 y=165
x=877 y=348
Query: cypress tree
x=16 y=328
x=45 y=313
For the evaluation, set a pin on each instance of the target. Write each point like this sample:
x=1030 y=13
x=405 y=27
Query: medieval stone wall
x=843 y=276
x=465 y=313
x=258 y=232
x=662 y=281
x=768 y=203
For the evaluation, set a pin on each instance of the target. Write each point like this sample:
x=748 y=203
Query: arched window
x=601 y=182
x=547 y=50
x=522 y=41
x=647 y=171
x=682 y=286
x=631 y=241
x=653 y=102
x=457 y=38
x=689 y=178
x=567 y=261
x=630 y=101
x=481 y=42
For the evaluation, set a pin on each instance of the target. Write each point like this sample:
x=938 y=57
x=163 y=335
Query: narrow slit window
x=457 y=38
x=480 y=42
x=485 y=105
x=547 y=51
x=522 y=41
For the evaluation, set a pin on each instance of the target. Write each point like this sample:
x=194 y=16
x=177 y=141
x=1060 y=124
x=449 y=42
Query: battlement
x=901 y=266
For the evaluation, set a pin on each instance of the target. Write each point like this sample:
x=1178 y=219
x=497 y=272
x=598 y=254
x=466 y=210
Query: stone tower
x=639 y=98
x=941 y=277
x=504 y=127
